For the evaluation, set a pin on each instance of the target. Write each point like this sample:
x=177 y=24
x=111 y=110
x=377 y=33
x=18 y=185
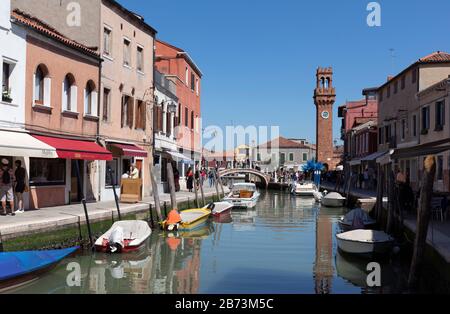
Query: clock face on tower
x=325 y=114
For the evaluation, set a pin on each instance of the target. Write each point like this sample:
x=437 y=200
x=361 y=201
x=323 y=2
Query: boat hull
x=332 y=202
x=364 y=248
x=20 y=268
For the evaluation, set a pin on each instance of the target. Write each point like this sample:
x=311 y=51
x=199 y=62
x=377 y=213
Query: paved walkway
x=52 y=218
x=358 y=193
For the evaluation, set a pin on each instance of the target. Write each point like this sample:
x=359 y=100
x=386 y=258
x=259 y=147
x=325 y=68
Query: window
x=395 y=87
x=69 y=95
x=6 y=88
x=90 y=100
x=179 y=115
x=114 y=166
x=106 y=103
x=39 y=86
x=140 y=59
x=187 y=77
x=387 y=133
x=440 y=116
x=192 y=120
x=107 y=41
x=403 y=82
x=414 y=76
x=414 y=123
x=186 y=117
x=403 y=129
x=197 y=83
x=305 y=156
x=127 y=111
x=258 y=157
x=388 y=91
x=126 y=53
x=192 y=81
x=425 y=119
x=380 y=96
x=291 y=156
x=45 y=171
x=440 y=168
x=380 y=136
x=282 y=158
x=140 y=115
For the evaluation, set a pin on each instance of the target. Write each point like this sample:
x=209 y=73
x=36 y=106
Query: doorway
x=75 y=193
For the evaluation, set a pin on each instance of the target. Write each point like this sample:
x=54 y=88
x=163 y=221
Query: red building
x=179 y=67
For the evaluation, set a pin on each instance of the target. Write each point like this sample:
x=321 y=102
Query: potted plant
x=6 y=95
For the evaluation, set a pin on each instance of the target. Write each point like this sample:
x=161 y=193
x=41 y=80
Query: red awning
x=131 y=150
x=74 y=149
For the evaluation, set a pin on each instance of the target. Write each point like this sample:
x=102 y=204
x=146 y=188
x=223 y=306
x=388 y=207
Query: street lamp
x=172 y=107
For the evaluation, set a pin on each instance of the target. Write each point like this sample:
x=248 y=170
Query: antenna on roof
x=392 y=50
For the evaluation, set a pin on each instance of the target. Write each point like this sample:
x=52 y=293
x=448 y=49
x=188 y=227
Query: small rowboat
x=365 y=242
x=219 y=208
x=190 y=219
x=356 y=219
x=333 y=199
x=124 y=236
x=19 y=268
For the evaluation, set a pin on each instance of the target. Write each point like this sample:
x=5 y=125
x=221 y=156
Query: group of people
x=12 y=187
x=200 y=177
x=367 y=179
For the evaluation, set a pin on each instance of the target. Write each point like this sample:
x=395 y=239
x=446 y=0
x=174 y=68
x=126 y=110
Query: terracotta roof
x=133 y=16
x=282 y=142
x=45 y=29
x=438 y=56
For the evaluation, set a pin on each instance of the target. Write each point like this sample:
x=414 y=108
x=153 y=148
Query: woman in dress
x=190 y=179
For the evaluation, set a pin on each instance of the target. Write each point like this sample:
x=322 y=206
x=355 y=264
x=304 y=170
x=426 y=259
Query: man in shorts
x=6 y=187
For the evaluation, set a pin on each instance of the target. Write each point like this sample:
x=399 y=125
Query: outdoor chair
x=438 y=211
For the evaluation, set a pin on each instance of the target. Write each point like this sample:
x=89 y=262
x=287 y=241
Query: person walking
x=211 y=178
x=189 y=179
x=20 y=186
x=6 y=187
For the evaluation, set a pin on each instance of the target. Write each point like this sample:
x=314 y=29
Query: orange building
x=179 y=67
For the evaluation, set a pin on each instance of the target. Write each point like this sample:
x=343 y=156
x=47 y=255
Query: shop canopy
x=20 y=144
x=180 y=156
x=374 y=156
x=76 y=149
x=130 y=150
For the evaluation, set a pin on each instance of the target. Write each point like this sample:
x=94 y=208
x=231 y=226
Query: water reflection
x=284 y=245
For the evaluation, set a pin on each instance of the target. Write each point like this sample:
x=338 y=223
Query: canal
x=284 y=245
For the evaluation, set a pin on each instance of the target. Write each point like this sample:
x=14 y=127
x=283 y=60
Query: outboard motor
x=116 y=240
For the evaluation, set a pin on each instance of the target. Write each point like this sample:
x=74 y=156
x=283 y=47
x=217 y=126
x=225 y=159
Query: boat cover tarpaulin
x=16 y=264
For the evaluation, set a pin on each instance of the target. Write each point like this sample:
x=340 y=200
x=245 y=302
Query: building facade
x=125 y=43
x=178 y=66
x=399 y=113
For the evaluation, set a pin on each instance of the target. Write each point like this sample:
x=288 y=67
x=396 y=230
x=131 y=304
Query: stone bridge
x=265 y=178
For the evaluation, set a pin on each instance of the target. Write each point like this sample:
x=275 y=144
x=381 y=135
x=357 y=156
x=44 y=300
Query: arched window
x=69 y=102
x=39 y=85
x=90 y=99
x=192 y=120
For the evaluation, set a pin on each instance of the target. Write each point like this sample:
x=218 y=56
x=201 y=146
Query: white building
x=12 y=66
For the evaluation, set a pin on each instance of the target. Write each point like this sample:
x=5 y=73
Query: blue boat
x=17 y=268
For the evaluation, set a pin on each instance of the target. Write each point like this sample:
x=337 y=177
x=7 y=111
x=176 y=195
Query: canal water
x=284 y=245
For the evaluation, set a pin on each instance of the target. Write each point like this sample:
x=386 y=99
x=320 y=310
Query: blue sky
x=259 y=56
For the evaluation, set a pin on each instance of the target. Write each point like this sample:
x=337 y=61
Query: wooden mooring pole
x=202 y=194
x=171 y=179
x=155 y=194
x=116 y=198
x=221 y=184
x=216 y=183
x=423 y=218
x=83 y=201
x=392 y=202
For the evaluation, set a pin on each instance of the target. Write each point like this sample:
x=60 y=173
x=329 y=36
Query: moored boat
x=364 y=242
x=305 y=189
x=243 y=195
x=124 y=236
x=333 y=199
x=219 y=208
x=356 y=219
x=19 y=268
x=190 y=219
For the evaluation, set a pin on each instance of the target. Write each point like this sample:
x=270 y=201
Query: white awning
x=180 y=156
x=374 y=156
x=20 y=144
x=385 y=158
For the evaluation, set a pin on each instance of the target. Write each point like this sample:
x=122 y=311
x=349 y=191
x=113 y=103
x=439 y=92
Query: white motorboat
x=243 y=195
x=356 y=219
x=333 y=199
x=307 y=189
x=365 y=242
x=124 y=236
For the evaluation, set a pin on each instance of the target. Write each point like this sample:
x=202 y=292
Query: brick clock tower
x=324 y=98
